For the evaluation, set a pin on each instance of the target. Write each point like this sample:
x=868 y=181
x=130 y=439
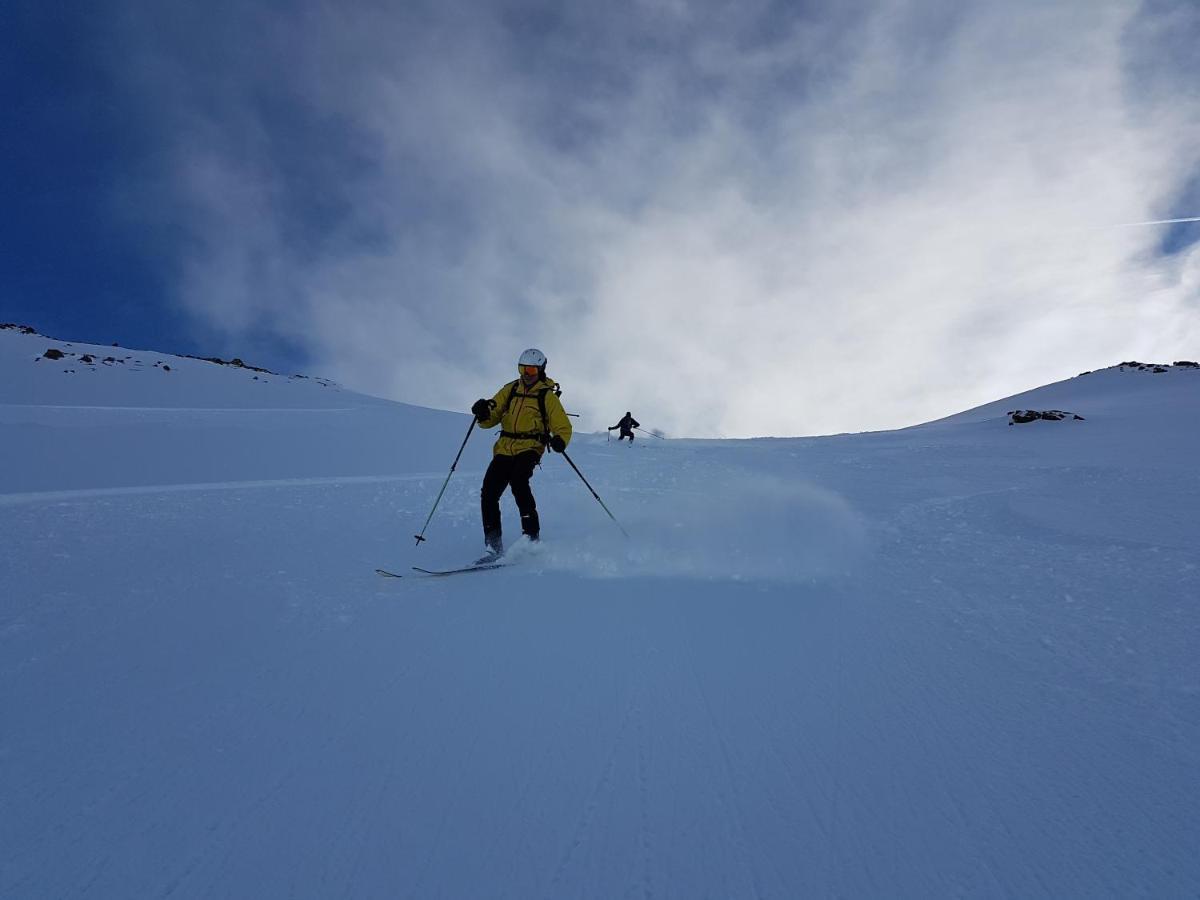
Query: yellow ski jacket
x=520 y=421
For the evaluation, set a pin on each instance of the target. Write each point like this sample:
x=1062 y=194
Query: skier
x=627 y=424
x=531 y=417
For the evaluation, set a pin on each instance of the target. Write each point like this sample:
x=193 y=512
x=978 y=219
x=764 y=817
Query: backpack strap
x=512 y=392
x=545 y=437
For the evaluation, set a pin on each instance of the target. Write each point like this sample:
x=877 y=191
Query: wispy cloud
x=756 y=218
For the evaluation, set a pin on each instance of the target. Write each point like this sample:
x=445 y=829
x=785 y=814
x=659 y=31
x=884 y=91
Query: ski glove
x=557 y=444
x=482 y=409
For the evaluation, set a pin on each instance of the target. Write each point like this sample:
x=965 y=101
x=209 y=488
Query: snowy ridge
x=75 y=373
x=953 y=660
x=157 y=419
x=1132 y=391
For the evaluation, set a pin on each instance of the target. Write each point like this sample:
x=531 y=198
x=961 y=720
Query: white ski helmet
x=533 y=357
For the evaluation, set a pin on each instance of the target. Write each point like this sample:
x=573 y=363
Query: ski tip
x=386 y=574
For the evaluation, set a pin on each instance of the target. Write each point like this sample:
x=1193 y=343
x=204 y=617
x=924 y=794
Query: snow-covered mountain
x=88 y=416
x=956 y=659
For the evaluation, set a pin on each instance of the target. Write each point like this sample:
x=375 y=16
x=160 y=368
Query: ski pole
x=651 y=433
x=594 y=494
x=420 y=537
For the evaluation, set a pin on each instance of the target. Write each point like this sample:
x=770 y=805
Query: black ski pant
x=514 y=472
x=625 y=433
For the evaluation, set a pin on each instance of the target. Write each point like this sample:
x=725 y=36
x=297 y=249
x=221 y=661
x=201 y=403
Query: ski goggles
x=528 y=370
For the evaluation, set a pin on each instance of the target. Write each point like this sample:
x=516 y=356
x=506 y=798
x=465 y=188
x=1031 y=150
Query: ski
x=387 y=574
x=476 y=568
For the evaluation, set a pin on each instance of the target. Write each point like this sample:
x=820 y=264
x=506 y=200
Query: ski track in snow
x=96 y=493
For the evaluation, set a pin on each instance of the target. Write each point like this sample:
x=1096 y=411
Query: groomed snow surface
x=960 y=659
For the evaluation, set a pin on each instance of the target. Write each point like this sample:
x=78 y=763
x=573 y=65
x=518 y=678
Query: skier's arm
x=497 y=408
x=635 y=423
x=560 y=424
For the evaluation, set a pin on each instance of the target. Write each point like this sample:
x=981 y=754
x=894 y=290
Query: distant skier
x=627 y=424
x=531 y=417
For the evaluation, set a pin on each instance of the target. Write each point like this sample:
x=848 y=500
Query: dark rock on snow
x=1022 y=416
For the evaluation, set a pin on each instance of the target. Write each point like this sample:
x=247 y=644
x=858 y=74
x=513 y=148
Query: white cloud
x=731 y=224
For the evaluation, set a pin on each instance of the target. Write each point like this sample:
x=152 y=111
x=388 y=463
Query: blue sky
x=750 y=218
x=67 y=265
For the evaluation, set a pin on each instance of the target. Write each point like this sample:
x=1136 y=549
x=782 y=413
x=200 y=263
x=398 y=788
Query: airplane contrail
x=1158 y=222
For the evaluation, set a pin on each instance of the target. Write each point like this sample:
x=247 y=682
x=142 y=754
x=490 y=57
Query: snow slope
x=957 y=659
x=128 y=423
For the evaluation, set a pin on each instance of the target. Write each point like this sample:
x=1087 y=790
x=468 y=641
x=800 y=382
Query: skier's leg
x=495 y=480
x=522 y=471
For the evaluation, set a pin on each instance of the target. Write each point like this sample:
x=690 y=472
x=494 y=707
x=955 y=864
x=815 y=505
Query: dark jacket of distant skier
x=627 y=424
x=531 y=418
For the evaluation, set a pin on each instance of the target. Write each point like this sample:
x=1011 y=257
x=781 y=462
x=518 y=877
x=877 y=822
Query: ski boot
x=495 y=548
